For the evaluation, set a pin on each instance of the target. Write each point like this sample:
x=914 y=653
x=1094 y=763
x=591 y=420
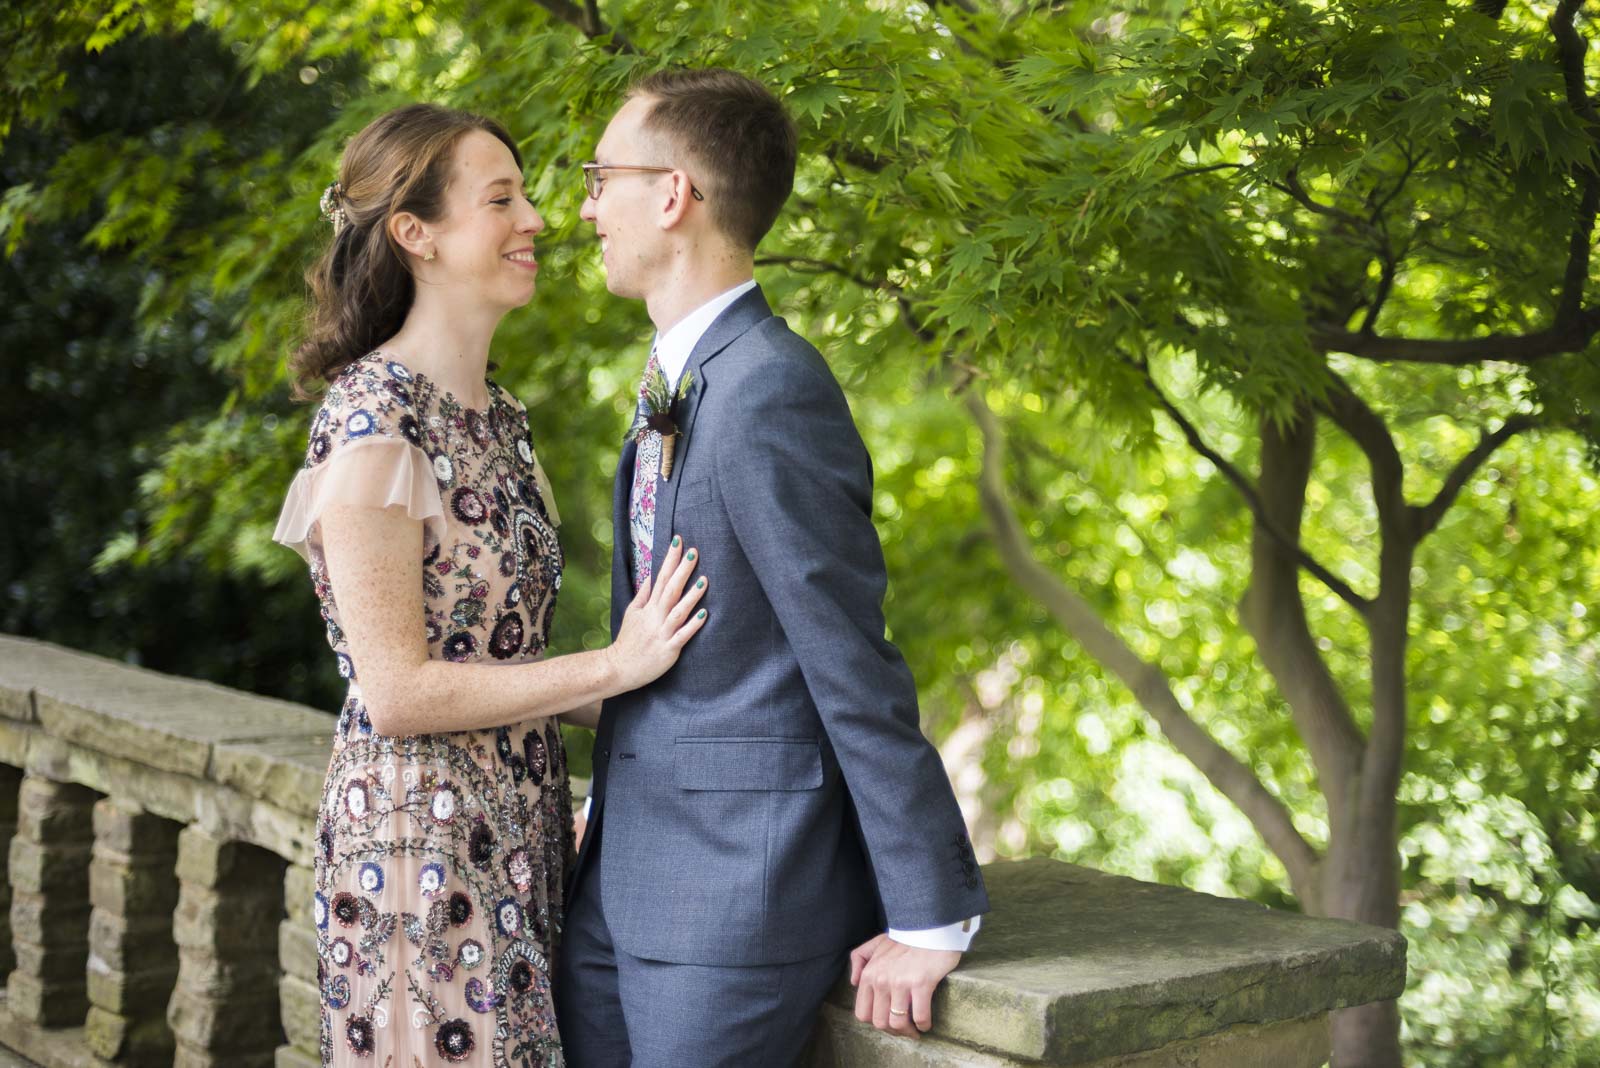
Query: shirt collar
x=674 y=348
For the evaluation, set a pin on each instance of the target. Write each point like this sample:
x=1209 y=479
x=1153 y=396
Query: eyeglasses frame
x=594 y=185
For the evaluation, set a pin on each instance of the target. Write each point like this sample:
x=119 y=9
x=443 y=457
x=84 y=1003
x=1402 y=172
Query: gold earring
x=429 y=257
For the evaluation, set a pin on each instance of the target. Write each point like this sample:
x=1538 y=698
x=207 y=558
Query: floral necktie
x=642 y=499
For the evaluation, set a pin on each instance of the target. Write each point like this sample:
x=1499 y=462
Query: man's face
x=626 y=213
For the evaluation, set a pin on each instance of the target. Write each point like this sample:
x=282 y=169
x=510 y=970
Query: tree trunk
x=1359 y=878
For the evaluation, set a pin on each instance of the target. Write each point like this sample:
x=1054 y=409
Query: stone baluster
x=133 y=961
x=298 y=992
x=49 y=872
x=10 y=785
x=224 y=1011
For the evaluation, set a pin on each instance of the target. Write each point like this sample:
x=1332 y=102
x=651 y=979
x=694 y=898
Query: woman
x=445 y=822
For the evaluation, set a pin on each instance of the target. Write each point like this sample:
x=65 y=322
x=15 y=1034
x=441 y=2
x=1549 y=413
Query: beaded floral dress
x=439 y=858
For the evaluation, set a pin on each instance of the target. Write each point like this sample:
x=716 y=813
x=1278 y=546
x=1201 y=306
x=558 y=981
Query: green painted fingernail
x=675 y=540
x=691 y=554
x=700 y=614
x=700 y=585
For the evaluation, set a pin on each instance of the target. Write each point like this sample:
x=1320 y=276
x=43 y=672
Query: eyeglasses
x=594 y=180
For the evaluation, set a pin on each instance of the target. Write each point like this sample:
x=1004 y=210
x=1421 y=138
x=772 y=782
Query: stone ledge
x=840 y=1041
x=1074 y=968
x=180 y=798
x=56 y=1047
x=161 y=721
x=1077 y=966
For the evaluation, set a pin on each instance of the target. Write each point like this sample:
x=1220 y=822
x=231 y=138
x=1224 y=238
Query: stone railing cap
x=162 y=721
x=1075 y=965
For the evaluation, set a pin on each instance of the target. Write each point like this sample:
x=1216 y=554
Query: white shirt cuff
x=954 y=937
x=587 y=802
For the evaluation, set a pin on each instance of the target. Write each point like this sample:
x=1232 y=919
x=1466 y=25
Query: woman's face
x=484 y=242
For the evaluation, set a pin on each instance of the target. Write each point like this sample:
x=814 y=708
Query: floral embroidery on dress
x=440 y=858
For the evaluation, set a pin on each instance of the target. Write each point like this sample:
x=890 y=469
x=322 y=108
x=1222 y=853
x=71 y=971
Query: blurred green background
x=1196 y=277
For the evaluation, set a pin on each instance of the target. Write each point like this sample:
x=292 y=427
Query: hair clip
x=332 y=206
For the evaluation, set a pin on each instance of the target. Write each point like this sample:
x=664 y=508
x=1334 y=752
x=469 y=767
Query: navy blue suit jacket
x=772 y=797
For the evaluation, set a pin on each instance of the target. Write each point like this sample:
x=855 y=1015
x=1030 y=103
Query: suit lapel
x=740 y=316
x=621 y=546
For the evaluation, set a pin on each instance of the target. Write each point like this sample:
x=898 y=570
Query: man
x=770 y=801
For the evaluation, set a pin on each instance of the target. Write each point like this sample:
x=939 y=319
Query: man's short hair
x=738 y=132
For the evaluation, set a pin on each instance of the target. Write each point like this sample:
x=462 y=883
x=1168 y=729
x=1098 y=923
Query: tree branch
x=1571 y=47
x=814 y=266
x=1291 y=185
x=587 y=19
x=1150 y=687
x=1385 y=284
x=1290 y=544
x=1560 y=339
x=1274 y=613
x=1367 y=429
x=1426 y=517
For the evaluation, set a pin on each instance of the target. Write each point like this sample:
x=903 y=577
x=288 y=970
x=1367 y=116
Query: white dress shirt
x=673 y=349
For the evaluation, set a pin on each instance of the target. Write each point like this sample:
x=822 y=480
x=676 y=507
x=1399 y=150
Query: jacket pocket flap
x=747 y=763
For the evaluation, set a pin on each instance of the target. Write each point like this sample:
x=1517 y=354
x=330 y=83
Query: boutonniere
x=661 y=414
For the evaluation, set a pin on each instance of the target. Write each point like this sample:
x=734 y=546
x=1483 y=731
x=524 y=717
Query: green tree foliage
x=1228 y=370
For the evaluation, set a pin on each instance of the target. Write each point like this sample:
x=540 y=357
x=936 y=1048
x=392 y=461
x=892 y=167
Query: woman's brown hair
x=361 y=286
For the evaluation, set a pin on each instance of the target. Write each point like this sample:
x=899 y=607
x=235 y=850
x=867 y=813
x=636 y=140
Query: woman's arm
x=587 y=716
x=374 y=559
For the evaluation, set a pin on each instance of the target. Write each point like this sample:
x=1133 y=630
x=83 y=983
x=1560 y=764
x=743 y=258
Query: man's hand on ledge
x=894 y=984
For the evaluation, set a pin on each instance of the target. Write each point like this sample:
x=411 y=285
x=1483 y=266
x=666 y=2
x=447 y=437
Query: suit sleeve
x=797 y=483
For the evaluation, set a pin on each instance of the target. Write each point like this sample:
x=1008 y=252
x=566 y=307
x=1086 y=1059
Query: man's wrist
x=953 y=937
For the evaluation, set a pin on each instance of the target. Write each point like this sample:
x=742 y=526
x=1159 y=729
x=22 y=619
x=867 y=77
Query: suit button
x=605 y=754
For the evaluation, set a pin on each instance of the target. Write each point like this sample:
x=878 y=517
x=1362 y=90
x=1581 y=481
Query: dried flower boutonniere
x=661 y=414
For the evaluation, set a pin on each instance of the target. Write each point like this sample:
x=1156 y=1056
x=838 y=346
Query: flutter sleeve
x=364 y=450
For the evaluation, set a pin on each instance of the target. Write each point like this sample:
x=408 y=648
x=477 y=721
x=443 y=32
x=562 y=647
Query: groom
x=770 y=802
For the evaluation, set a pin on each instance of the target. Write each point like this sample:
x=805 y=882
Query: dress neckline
x=488 y=383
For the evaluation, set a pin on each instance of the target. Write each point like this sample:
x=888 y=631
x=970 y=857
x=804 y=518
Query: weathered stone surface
x=297 y=949
x=53 y=963
x=49 y=936
x=140 y=995
x=122 y=828
x=299 y=892
x=290 y=1057
x=59 y=813
x=277 y=830
x=189 y=1057
x=124 y=942
x=104 y=1032
x=287 y=772
x=46 y=1002
x=223 y=924
x=139 y=889
x=1075 y=965
x=206 y=860
x=51 y=919
x=41 y=868
x=17 y=704
x=300 y=1004
x=15 y=741
x=233 y=1026
x=62 y=1047
x=841 y=1041
x=146 y=1041
x=158 y=720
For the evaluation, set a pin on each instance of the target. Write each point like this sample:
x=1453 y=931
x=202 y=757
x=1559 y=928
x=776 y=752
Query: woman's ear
x=411 y=234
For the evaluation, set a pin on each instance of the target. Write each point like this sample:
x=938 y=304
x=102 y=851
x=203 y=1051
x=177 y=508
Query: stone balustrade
x=157 y=834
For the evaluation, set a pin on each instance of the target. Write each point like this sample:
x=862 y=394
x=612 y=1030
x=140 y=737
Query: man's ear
x=411 y=234
x=677 y=203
